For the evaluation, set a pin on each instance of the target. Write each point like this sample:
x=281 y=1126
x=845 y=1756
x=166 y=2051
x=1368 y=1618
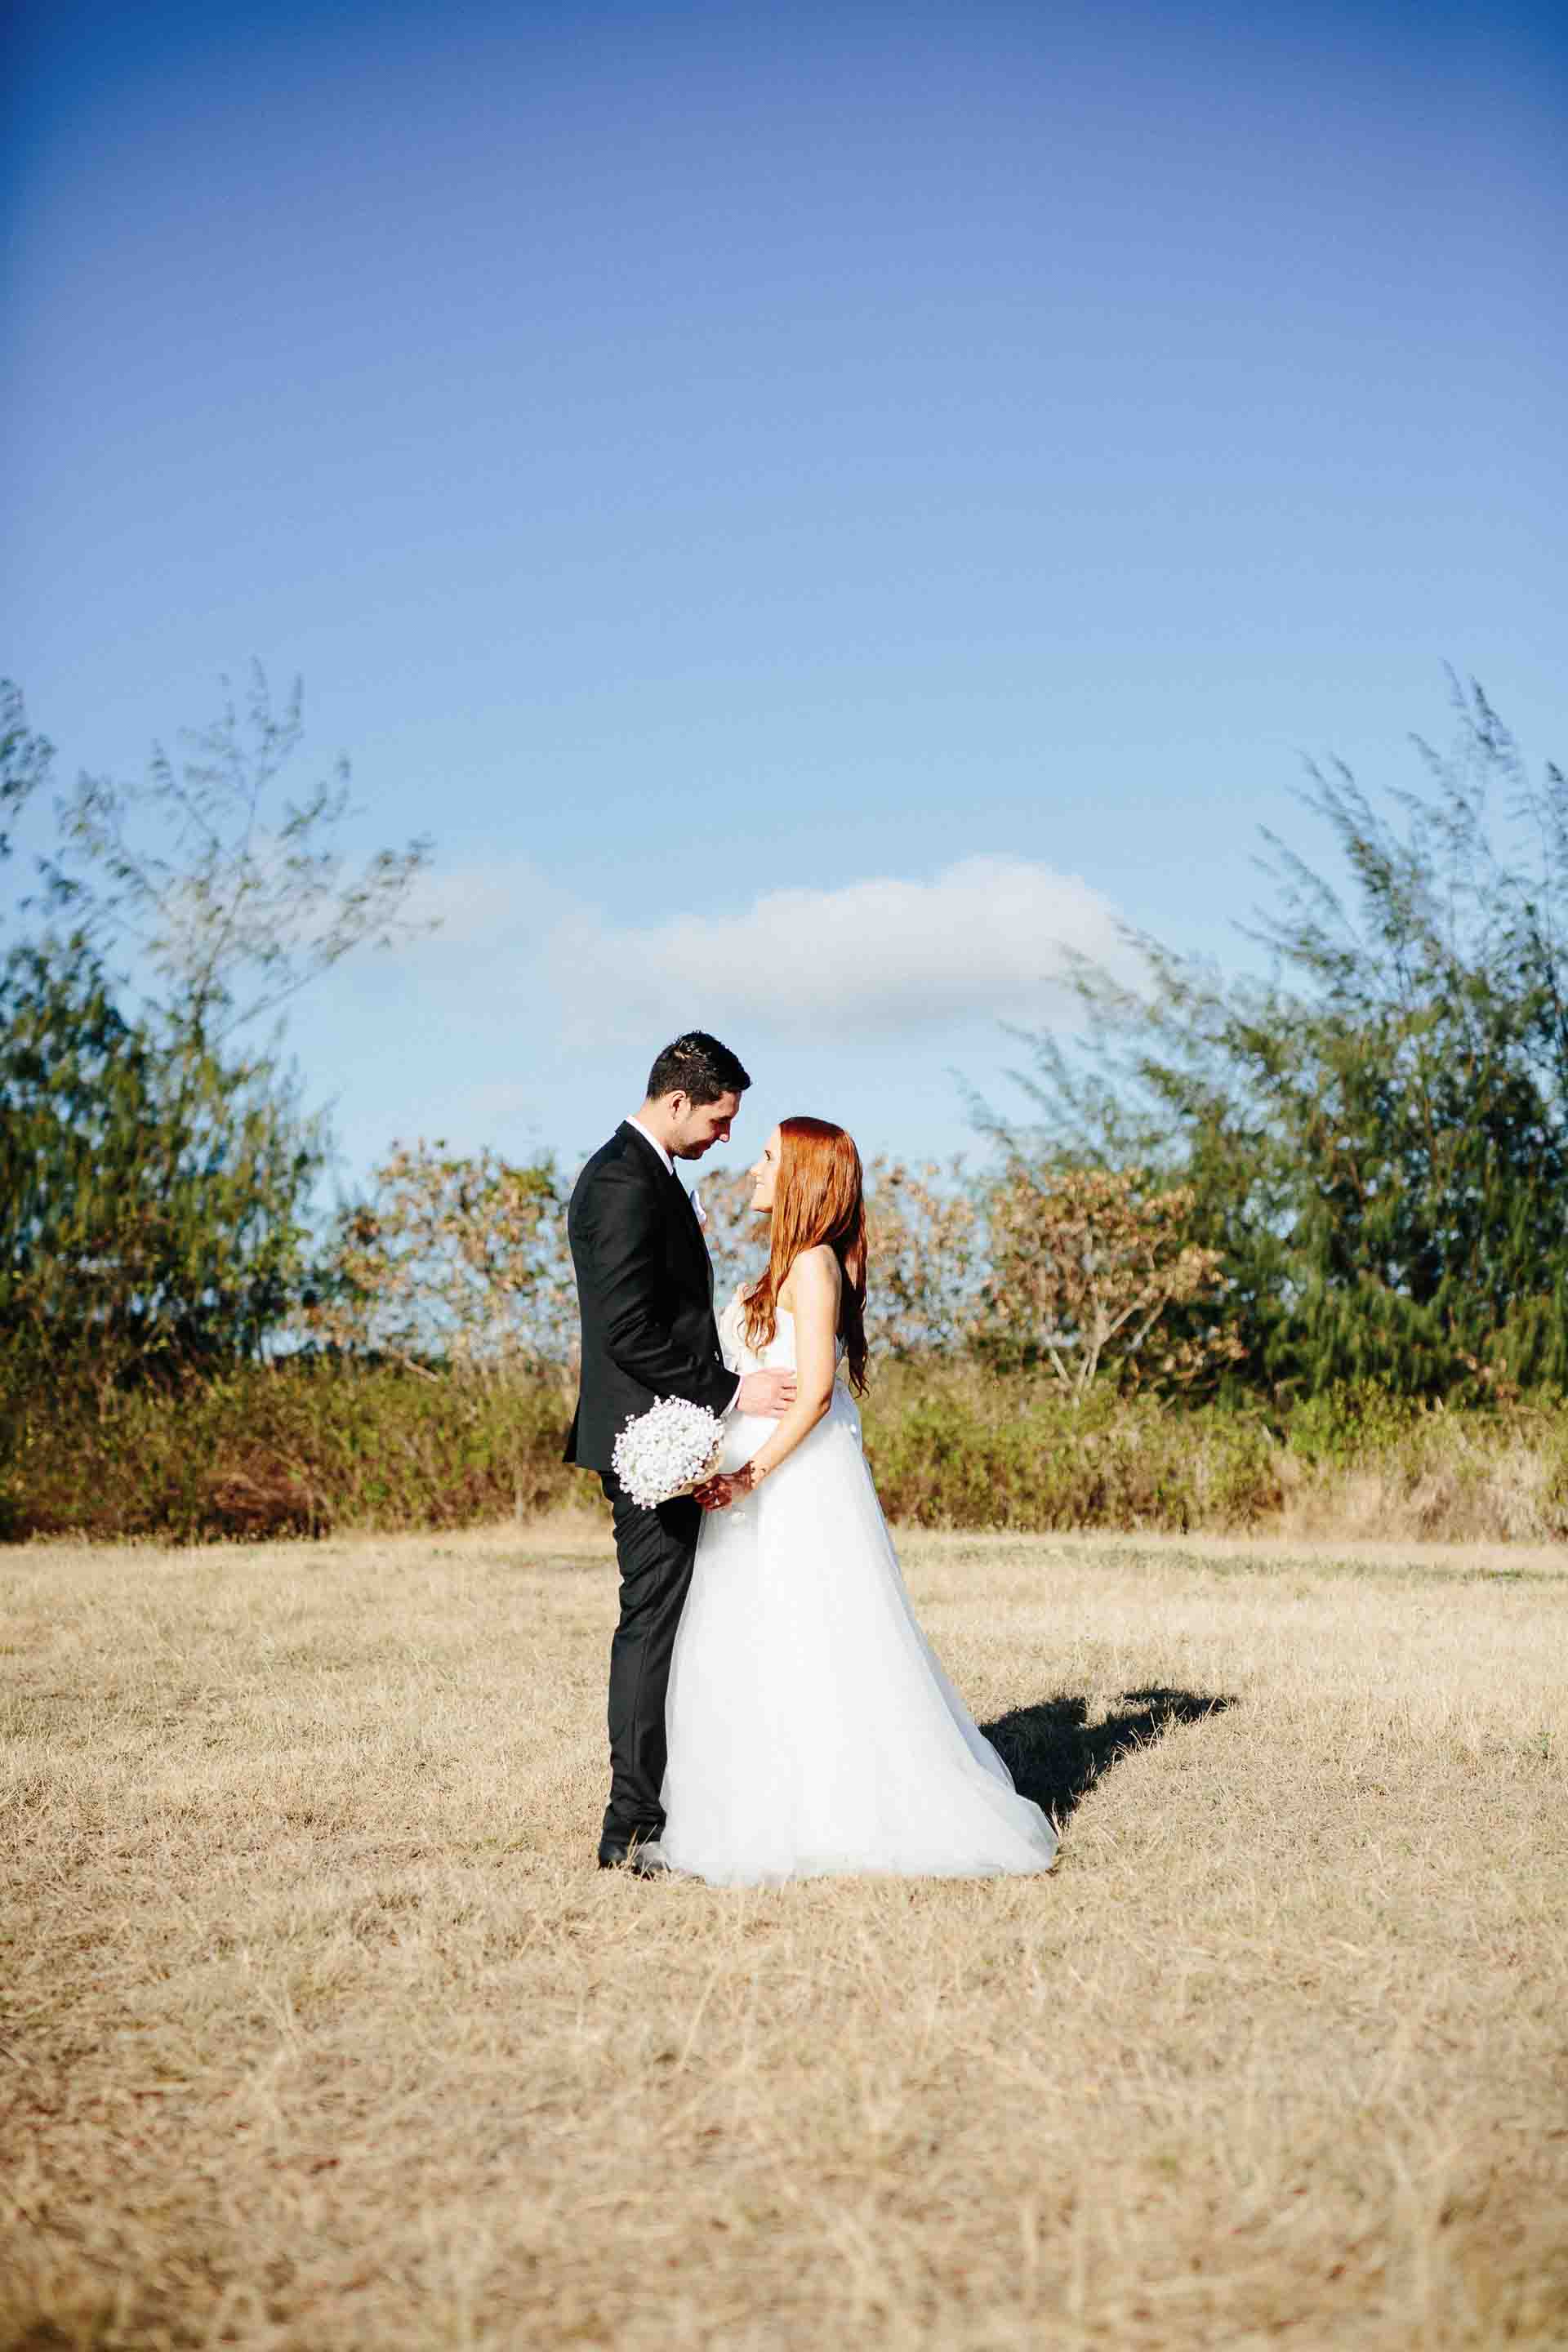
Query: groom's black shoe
x=637 y=1854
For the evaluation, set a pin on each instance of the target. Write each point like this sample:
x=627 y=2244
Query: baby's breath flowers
x=666 y=1451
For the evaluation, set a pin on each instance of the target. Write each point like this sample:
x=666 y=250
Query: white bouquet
x=666 y=1451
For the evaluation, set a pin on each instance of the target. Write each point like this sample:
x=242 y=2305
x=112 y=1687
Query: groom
x=644 y=1291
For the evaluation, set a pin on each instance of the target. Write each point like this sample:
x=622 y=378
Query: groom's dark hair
x=697 y=1066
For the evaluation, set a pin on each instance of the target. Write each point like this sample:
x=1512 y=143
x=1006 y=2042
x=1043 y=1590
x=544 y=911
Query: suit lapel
x=695 y=1231
x=682 y=1209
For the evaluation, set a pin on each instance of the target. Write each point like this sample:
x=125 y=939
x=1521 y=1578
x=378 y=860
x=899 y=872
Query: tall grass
x=299 y=1447
x=964 y=1449
x=310 y=1447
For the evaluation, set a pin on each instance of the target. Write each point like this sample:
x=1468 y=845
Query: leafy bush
x=1086 y=1265
x=459 y=1255
x=311 y=1444
x=959 y=1449
x=1350 y=1422
x=296 y=1447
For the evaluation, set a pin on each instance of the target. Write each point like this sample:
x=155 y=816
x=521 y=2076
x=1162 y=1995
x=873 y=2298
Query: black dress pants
x=656 y=1549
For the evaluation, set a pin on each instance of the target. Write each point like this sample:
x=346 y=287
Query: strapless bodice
x=740 y=1356
x=744 y=1433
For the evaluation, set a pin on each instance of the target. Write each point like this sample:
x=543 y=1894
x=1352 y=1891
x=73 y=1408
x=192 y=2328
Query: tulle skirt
x=811 y=1729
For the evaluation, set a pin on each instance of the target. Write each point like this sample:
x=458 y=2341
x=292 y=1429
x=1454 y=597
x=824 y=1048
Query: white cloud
x=984 y=939
x=530 y=1016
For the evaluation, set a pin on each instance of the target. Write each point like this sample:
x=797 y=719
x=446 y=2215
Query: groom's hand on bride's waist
x=767 y=1395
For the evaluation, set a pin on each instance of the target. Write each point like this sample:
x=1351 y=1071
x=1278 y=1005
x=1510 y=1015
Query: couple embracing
x=775 y=1711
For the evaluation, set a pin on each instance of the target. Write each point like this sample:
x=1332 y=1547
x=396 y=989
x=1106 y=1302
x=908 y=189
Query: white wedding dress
x=811 y=1728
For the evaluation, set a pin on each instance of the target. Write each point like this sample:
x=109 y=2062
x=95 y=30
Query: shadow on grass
x=1056 y=1755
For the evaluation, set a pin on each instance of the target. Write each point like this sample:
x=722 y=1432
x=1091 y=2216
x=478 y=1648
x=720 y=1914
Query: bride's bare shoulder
x=815 y=1278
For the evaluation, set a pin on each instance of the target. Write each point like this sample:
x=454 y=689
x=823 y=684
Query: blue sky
x=812 y=509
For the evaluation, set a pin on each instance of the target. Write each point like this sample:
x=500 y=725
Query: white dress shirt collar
x=649 y=1137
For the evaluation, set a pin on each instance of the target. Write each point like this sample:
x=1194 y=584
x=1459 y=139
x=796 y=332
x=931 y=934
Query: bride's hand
x=716 y=1494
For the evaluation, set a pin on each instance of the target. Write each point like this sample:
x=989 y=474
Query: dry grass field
x=319 y=2031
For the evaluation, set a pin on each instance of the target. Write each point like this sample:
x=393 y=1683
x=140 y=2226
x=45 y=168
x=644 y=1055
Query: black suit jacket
x=644 y=1290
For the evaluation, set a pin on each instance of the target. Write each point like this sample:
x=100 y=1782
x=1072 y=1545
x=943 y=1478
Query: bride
x=811 y=1728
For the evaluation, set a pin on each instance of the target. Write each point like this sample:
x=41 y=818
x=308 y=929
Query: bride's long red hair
x=818 y=1196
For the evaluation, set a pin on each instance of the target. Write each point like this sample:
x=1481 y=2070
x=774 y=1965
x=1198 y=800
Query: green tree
x=1375 y=1136
x=153 y=1192
x=155 y=1173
